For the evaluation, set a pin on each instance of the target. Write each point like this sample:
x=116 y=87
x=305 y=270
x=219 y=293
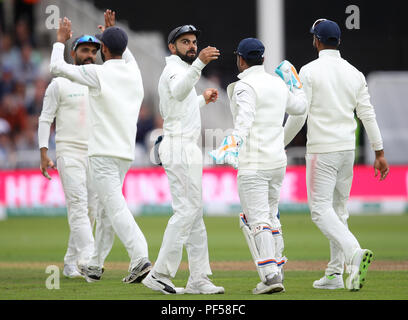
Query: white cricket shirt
x=68 y=103
x=179 y=103
x=334 y=90
x=258 y=104
x=115 y=96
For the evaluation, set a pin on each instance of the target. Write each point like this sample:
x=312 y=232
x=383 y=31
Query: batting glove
x=228 y=152
x=289 y=74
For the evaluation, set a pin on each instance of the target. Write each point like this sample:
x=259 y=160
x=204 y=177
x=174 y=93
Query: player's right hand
x=110 y=20
x=209 y=54
x=64 y=32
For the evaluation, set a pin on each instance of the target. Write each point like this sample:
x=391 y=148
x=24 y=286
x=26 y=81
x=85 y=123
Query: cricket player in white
x=258 y=103
x=116 y=93
x=68 y=103
x=335 y=89
x=182 y=159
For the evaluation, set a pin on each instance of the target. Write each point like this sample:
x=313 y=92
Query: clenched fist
x=210 y=95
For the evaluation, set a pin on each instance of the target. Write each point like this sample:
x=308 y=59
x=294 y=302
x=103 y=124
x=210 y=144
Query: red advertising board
x=149 y=186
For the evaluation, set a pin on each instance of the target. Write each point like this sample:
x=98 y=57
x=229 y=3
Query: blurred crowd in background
x=24 y=77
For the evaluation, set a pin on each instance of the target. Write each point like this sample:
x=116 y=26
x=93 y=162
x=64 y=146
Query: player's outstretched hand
x=210 y=95
x=209 y=54
x=110 y=20
x=64 y=32
x=381 y=165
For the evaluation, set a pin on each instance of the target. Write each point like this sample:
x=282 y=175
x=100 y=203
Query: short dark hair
x=331 y=46
x=115 y=52
x=254 y=62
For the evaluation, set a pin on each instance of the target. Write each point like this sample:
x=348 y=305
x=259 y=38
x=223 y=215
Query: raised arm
x=294 y=123
x=182 y=82
x=84 y=74
x=110 y=21
x=296 y=104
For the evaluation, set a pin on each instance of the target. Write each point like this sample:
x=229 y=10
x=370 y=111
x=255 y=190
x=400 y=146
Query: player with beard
x=182 y=159
x=67 y=102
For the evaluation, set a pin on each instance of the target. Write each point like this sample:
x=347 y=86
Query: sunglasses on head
x=86 y=39
x=316 y=23
x=183 y=29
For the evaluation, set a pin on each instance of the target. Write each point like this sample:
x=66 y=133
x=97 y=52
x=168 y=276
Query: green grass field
x=29 y=245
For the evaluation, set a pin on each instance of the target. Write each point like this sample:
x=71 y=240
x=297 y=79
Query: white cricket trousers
x=114 y=216
x=182 y=161
x=81 y=202
x=259 y=193
x=328 y=179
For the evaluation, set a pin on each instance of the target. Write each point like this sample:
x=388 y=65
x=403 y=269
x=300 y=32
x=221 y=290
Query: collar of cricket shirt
x=253 y=69
x=114 y=61
x=329 y=53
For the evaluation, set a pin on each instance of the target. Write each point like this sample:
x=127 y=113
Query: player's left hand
x=110 y=20
x=210 y=95
x=64 y=32
x=381 y=165
x=46 y=163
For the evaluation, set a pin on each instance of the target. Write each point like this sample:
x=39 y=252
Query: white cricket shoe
x=331 y=282
x=138 y=273
x=71 y=271
x=272 y=285
x=161 y=283
x=358 y=269
x=91 y=273
x=202 y=285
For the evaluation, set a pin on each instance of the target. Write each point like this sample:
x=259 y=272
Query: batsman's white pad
x=279 y=244
x=263 y=266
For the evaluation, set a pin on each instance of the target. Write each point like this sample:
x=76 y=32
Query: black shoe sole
x=142 y=274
